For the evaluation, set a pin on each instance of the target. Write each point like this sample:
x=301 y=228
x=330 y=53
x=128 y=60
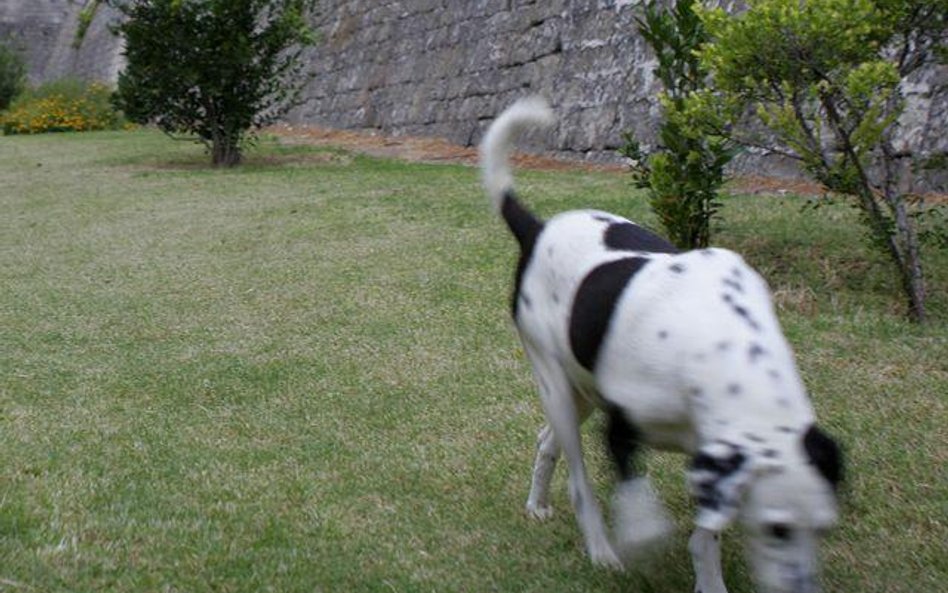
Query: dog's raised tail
x=495 y=148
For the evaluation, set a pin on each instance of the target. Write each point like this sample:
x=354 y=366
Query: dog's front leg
x=564 y=418
x=705 y=548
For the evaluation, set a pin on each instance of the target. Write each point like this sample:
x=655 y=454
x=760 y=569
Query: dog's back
x=658 y=333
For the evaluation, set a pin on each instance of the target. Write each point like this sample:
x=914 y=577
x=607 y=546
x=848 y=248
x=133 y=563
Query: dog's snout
x=803 y=582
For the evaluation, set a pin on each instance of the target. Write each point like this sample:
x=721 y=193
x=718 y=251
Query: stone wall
x=45 y=32
x=445 y=67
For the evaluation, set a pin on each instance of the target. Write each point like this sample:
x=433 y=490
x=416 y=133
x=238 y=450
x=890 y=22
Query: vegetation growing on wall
x=85 y=19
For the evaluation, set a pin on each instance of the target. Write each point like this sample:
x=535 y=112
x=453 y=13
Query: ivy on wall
x=85 y=19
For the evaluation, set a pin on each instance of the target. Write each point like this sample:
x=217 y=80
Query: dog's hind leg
x=538 y=502
x=548 y=452
x=563 y=415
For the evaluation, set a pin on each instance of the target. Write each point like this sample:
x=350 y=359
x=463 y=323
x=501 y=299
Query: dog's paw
x=539 y=512
x=604 y=556
x=641 y=524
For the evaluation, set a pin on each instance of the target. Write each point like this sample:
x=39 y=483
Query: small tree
x=12 y=76
x=216 y=69
x=684 y=175
x=823 y=77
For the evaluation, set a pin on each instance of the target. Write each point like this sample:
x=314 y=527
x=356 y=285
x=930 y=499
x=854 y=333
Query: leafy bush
x=686 y=171
x=12 y=75
x=825 y=78
x=215 y=70
x=62 y=106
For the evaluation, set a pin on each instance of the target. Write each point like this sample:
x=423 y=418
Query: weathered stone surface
x=45 y=32
x=446 y=67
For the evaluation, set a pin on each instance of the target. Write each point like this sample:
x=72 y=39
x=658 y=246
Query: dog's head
x=785 y=497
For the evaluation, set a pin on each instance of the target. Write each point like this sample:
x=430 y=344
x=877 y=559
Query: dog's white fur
x=694 y=359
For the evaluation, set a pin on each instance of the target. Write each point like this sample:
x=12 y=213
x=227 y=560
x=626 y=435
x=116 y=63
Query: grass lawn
x=300 y=375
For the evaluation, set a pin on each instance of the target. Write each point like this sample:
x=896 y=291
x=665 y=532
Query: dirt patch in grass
x=438 y=150
x=419 y=149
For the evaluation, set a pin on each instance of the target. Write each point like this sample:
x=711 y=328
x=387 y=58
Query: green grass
x=300 y=375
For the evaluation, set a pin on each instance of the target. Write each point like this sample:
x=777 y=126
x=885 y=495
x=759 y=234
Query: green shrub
x=216 y=71
x=62 y=106
x=685 y=172
x=12 y=75
x=825 y=79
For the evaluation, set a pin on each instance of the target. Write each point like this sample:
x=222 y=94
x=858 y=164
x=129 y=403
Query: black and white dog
x=683 y=352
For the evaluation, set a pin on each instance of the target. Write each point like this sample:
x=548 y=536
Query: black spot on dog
x=625 y=236
x=526 y=300
x=786 y=429
x=734 y=389
x=622 y=442
x=744 y=314
x=774 y=374
x=662 y=335
x=525 y=227
x=603 y=218
x=755 y=351
x=824 y=454
x=723 y=346
x=556 y=298
x=753 y=437
x=733 y=284
x=713 y=469
x=707 y=252
x=719 y=465
x=740 y=310
x=677 y=268
x=736 y=272
x=770 y=453
x=594 y=304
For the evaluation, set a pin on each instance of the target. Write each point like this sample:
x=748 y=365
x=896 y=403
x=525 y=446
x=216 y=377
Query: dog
x=683 y=352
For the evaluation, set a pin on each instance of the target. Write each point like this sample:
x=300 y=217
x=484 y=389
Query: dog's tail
x=495 y=152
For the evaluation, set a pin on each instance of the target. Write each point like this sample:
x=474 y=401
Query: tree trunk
x=902 y=242
x=225 y=152
x=913 y=279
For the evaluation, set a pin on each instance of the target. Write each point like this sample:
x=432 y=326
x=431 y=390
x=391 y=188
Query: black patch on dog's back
x=625 y=236
x=593 y=306
x=525 y=227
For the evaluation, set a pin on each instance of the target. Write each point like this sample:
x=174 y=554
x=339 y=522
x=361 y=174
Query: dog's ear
x=718 y=476
x=823 y=453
